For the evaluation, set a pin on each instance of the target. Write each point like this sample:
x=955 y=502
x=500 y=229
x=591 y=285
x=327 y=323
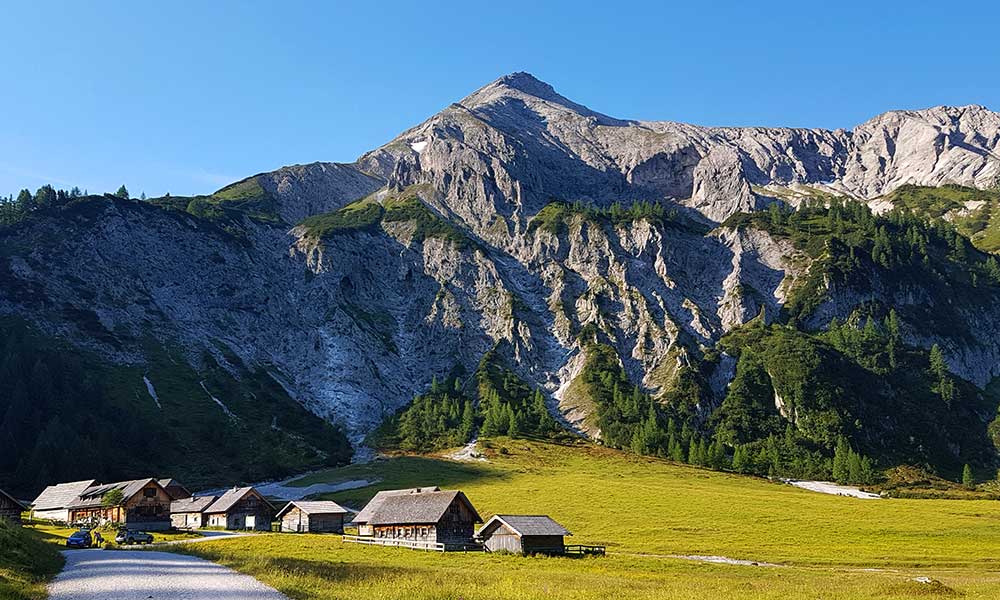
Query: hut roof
x=525 y=525
x=173 y=484
x=192 y=505
x=423 y=507
x=230 y=498
x=61 y=495
x=94 y=495
x=14 y=500
x=314 y=508
x=366 y=513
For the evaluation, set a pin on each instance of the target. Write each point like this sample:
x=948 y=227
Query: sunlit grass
x=647 y=511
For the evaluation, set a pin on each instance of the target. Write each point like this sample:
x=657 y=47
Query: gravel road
x=144 y=575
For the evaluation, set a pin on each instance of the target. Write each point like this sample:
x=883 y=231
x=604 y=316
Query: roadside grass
x=27 y=563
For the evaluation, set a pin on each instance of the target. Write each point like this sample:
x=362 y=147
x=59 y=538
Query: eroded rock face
x=356 y=324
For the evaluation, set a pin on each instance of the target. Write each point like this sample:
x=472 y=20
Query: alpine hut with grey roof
x=188 y=513
x=53 y=503
x=425 y=518
x=523 y=534
x=300 y=516
x=240 y=509
x=144 y=505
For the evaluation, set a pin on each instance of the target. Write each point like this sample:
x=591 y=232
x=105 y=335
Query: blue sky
x=187 y=96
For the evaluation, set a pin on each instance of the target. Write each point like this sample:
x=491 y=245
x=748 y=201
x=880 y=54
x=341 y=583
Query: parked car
x=133 y=537
x=79 y=539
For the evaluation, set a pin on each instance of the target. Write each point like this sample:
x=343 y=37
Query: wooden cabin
x=11 y=508
x=300 y=516
x=523 y=534
x=361 y=520
x=175 y=490
x=432 y=518
x=145 y=505
x=240 y=509
x=188 y=513
x=53 y=503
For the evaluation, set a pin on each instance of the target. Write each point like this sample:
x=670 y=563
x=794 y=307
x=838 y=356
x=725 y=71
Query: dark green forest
x=66 y=415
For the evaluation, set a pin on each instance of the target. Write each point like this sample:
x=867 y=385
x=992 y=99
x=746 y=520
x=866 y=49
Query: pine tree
x=841 y=456
x=123 y=194
x=968 y=480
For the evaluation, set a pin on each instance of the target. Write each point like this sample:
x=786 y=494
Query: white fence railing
x=412 y=544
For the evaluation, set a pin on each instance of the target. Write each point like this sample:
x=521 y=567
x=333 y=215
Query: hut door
x=251 y=522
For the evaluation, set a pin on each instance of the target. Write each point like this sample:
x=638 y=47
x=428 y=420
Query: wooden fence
x=412 y=544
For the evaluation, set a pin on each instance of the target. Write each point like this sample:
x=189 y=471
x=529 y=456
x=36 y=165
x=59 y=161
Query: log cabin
x=442 y=520
x=523 y=534
x=299 y=516
x=240 y=509
x=11 y=508
x=53 y=503
x=145 y=505
x=189 y=513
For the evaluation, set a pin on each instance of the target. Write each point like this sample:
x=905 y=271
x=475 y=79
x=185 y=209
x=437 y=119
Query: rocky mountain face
x=353 y=322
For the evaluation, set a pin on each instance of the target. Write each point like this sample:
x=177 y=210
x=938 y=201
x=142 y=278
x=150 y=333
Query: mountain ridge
x=529 y=225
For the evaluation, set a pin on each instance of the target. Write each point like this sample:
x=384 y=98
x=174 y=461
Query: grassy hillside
x=975 y=213
x=66 y=416
x=27 y=562
x=368 y=215
x=647 y=511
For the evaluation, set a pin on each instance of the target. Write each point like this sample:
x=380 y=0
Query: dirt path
x=122 y=575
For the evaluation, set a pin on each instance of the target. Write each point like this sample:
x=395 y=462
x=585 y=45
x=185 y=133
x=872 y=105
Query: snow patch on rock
x=152 y=391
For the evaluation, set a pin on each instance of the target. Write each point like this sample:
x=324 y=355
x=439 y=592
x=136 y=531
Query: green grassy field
x=27 y=563
x=648 y=512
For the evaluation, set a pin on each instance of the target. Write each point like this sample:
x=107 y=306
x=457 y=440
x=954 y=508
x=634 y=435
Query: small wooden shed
x=300 y=516
x=188 y=513
x=11 y=508
x=523 y=534
x=240 y=509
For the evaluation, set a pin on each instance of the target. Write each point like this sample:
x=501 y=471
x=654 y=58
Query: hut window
x=149 y=492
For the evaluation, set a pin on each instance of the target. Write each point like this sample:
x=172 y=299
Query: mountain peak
x=527 y=83
x=526 y=87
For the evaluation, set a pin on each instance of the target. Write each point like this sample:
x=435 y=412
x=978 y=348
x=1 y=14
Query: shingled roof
x=192 y=505
x=62 y=495
x=366 y=513
x=418 y=508
x=93 y=496
x=525 y=525
x=314 y=508
x=230 y=498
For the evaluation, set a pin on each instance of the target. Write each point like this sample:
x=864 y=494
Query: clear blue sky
x=187 y=96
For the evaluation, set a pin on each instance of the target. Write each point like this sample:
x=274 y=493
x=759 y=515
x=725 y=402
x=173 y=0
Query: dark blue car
x=79 y=539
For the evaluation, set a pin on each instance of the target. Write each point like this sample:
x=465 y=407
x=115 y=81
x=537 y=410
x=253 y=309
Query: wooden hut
x=188 y=513
x=53 y=503
x=300 y=516
x=240 y=509
x=11 y=508
x=363 y=518
x=523 y=534
x=145 y=505
x=418 y=519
